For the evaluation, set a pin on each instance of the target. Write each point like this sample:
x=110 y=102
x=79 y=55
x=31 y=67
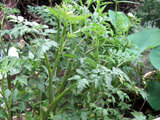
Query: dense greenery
x=149 y=12
x=78 y=65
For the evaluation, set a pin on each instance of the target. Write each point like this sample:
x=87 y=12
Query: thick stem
x=52 y=71
x=5 y=99
x=9 y=81
x=2 y=43
x=116 y=5
x=11 y=100
x=59 y=29
x=91 y=92
x=3 y=20
x=51 y=105
x=60 y=49
x=67 y=76
x=65 y=79
x=50 y=78
x=81 y=3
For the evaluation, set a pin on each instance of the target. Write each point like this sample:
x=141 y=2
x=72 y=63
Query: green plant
x=72 y=66
x=149 y=12
x=149 y=39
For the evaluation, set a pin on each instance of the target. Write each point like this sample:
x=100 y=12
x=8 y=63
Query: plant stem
x=91 y=92
x=11 y=99
x=59 y=29
x=60 y=49
x=3 y=20
x=116 y=5
x=81 y=3
x=5 y=99
x=51 y=71
x=50 y=77
x=65 y=78
x=9 y=81
x=51 y=105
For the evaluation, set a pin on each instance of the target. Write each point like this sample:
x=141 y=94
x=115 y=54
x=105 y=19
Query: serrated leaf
x=75 y=77
x=3 y=113
x=21 y=106
x=44 y=45
x=70 y=55
x=79 y=71
x=41 y=87
x=138 y=115
x=28 y=65
x=98 y=29
x=50 y=31
x=22 y=79
x=15 y=94
x=83 y=83
x=91 y=62
x=7 y=93
x=84 y=115
x=30 y=55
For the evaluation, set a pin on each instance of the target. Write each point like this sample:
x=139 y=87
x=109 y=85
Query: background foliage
x=76 y=62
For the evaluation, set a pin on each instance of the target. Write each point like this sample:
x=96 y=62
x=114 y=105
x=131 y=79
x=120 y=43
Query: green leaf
x=44 y=45
x=41 y=86
x=128 y=2
x=65 y=12
x=98 y=29
x=50 y=31
x=30 y=55
x=153 y=90
x=22 y=107
x=84 y=115
x=3 y=113
x=28 y=65
x=75 y=77
x=70 y=55
x=7 y=93
x=90 y=62
x=83 y=83
x=22 y=79
x=138 y=116
x=15 y=94
x=146 y=39
x=119 y=19
x=79 y=71
x=155 y=57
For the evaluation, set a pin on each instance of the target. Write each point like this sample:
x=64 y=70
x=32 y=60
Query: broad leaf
x=119 y=19
x=155 y=57
x=153 y=90
x=22 y=79
x=146 y=39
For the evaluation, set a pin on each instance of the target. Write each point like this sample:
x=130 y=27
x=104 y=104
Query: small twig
x=142 y=106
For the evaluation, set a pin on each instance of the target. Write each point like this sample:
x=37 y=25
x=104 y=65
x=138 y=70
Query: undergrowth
x=78 y=65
